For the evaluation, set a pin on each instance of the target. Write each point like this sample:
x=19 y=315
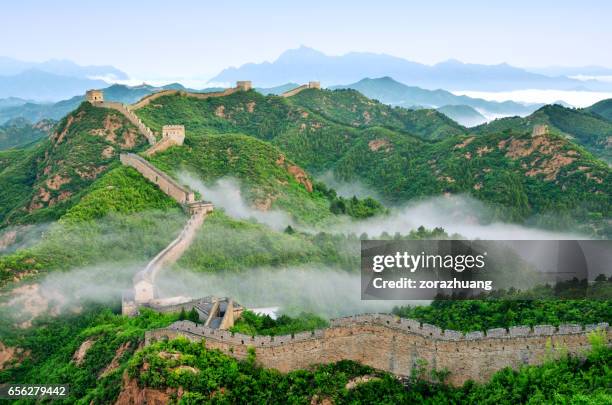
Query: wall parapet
x=240 y=86
x=403 y=325
x=395 y=345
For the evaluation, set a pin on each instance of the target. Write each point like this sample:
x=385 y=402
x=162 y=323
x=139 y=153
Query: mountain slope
x=602 y=108
x=519 y=175
x=84 y=145
x=463 y=114
x=581 y=126
x=303 y=64
x=35 y=112
x=44 y=86
x=19 y=132
x=392 y=92
x=349 y=107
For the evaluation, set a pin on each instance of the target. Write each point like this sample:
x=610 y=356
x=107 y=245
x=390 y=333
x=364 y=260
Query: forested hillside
x=20 y=132
x=584 y=127
x=518 y=175
x=48 y=179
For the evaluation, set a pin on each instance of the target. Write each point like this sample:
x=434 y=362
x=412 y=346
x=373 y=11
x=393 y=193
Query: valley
x=112 y=181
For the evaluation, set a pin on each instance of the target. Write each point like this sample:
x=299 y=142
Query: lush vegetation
x=349 y=107
x=543 y=305
x=121 y=218
x=253 y=324
x=20 y=132
x=51 y=176
x=209 y=376
x=602 y=108
x=550 y=179
x=583 y=126
x=50 y=348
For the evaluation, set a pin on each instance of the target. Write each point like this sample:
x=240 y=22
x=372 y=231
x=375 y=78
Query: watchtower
x=314 y=85
x=94 y=96
x=176 y=133
x=539 y=130
x=244 y=85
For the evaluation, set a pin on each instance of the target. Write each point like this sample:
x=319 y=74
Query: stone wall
x=172 y=135
x=133 y=118
x=293 y=92
x=166 y=183
x=389 y=343
x=240 y=86
x=539 y=130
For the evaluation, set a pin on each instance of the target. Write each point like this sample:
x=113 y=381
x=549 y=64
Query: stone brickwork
x=94 y=96
x=172 y=135
x=539 y=130
x=393 y=344
x=243 y=85
x=293 y=92
x=166 y=183
x=144 y=281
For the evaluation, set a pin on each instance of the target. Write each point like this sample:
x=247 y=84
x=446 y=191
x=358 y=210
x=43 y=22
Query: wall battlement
x=293 y=92
x=166 y=183
x=243 y=85
x=393 y=344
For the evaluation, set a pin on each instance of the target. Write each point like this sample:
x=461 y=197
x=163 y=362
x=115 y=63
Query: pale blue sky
x=152 y=39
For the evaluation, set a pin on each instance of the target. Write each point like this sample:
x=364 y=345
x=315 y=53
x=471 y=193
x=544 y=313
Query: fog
x=346 y=189
x=575 y=98
x=322 y=290
x=462 y=215
x=226 y=193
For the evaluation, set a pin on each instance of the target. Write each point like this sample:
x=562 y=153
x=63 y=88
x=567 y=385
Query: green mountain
x=519 y=175
x=19 y=132
x=602 y=108
x=35 y=112
x=349 y=107
x=463 y=114
x=392 y=92
x=579 y=125
x=51 y=175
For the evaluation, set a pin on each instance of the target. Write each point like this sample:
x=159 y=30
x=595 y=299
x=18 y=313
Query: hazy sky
x=152 y=39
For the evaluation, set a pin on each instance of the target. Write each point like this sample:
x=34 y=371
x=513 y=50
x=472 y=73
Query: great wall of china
x=383 y=341
x=394 y=344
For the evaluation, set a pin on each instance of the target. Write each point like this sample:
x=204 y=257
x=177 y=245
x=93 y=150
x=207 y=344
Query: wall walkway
x=394 y=344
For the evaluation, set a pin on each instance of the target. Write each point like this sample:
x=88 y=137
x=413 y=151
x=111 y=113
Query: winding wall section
x=394 y=344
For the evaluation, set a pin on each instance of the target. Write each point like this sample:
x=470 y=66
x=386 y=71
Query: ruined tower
x=539 y=130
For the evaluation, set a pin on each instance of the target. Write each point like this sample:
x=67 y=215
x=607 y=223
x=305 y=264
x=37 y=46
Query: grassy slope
x=582 y=126
x=401 y=167
x=349 y=107
x=84 y=145
x=121 y=218
x=260 y=167
x=602 y=108
x=19 y=132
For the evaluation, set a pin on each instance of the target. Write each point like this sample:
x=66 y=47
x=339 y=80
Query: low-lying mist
x=462 y=215
x=226 y=194
x=321 y=290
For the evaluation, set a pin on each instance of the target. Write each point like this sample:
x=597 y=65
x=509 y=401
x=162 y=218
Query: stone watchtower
x=314 y=85
x=244 y=85
x=94 y=96
x=174 y=133
x=539 y=130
